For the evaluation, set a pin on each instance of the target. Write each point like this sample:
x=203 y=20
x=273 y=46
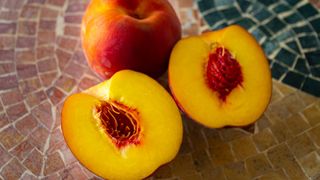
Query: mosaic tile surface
x=288 y=31
x=41 y=63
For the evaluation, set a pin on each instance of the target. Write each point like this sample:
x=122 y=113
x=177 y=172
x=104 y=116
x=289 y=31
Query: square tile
x=244 y=5
x=315 y=71
x=213 y=17
x=293 y=18
x=294 y=79
x=280 y=8
x=231 y=13
x=316 y=25
x=301 y=66
x=308 y=10
x=309 y=41
x=293 y=45
x=313 y=57
x=247 y=23
x=205 y=5
x=275 y=25
x=302 y=29
x=263 y=14
x=278 y=70
x=286 y=57
x=311 y=86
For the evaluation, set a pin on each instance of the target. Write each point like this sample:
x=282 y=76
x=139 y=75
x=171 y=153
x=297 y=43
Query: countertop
x=41 y=63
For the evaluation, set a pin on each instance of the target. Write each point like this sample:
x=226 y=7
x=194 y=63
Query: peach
x=123 y=128
x=136 y=34
x=220 y=78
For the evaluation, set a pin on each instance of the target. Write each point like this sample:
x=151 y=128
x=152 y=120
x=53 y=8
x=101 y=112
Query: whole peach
x=129 y=34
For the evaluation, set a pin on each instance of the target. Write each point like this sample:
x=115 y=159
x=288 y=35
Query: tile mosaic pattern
x=288 y=31
x=41 y=63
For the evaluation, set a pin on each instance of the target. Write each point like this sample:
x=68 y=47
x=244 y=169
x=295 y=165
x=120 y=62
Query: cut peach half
x=220 y=78
x=123 y=128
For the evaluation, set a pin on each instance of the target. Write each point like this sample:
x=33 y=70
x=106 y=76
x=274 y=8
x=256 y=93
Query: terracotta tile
x=47 y=65
x=4 y=120
x=281 y=132
x=311 y=164
x=231 y=133
x=74 y=70
x=162 y=172
x=35 y=98
x=56 y=2
x=66 y=83
x=26 y=42
x=36 y=2
x=56 y=141
x=73 y=19
x=26 y=125
x=221 y=154
x=47 y=24
x=297 y=124
x=46 y=37
x=29 y=12
x=7 y=42
x=73 y=172
x=13 y=170
x=72 y=31
x=13 y=4
x=53 y=163
x=48 y=78
x=217 y=173
x=6 y=54
x=264 y=140
x=8 y=82
x=48 y=13
x=87 y=82
x=27 y=27
x=43 y=114
x=39 y=138
x=274 y=175
x=8 y=27
x=301 y=145
x=183 y=165
x=313 y=115
x=34 y=162
x=6 y=68
x=236 y=170
x=54 y=176
x=55 y=95
x=258 y=165
x=28 y=176
x=25 y=56
x=76 y=7
x=30 y=85
x=63 y=58
x=9 y=15
x=201 y=160
x=26 y=71
x=4 y=156
x=22 y=150
x=16 y=111
x=45 y=52
x=242 y=152
x=11 y=97
x=315 y=135
x=67 y=43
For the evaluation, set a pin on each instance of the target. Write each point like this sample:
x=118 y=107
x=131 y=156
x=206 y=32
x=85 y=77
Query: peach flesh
x=120 y=123
x=223 y=72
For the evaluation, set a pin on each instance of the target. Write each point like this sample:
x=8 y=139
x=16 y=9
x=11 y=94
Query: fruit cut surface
x=233 y=90
x=123 y=128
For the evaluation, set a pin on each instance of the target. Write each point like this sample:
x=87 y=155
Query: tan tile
x=264 y=139
x=216 y=173
x=315 y=135
x=183 y=165
x=236 y=170
x=276 y=95
x=284 y=89
x=162 y=172
x=201 y=160
x=258 y=165
x=231 y=133
x=307 y=99
x=263 y=122
x=281 y=131
x=293 y=103
x=294 y=171
x=297 y=124
x=274 y=175
x=277 y=110
x=301 y=145
x=313 y=115
x=192 y=177
x=196 y=136
x=213 y=136
x=221 y=154
x=311 y=164
x=243 y=148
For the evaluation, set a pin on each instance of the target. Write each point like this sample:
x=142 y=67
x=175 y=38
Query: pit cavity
x=223 y=72
x=119 y=122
